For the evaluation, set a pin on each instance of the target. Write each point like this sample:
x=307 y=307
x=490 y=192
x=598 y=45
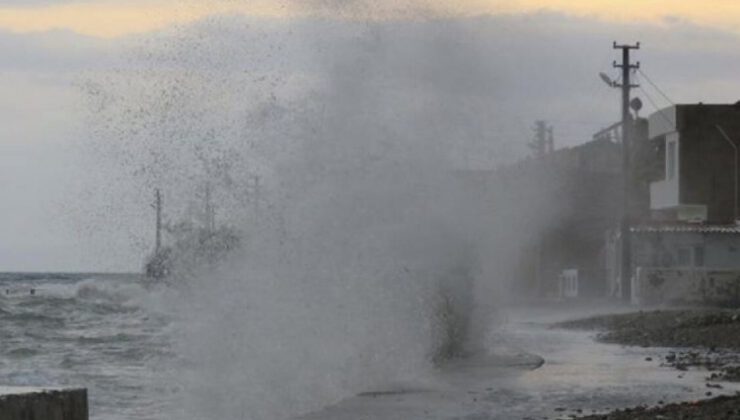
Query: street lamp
x=611 y=83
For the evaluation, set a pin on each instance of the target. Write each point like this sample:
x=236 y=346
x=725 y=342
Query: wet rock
x=706 y=339
x=720 y=408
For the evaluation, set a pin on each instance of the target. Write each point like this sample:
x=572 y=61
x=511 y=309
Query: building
x=688 y=248
x=687 y=264
x=699 y=183
x=565 y=200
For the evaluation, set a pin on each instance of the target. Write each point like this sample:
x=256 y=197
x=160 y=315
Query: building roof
x=686 y=228
x=678 y=117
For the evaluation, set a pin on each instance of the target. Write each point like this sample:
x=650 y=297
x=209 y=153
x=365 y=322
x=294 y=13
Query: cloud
x=113 y=18
x=51 y=51
x=477 y=83
x=32 y=3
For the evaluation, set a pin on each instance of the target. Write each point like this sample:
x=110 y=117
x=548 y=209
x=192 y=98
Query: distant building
x=566 y=199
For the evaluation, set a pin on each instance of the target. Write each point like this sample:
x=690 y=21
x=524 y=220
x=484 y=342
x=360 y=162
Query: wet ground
x=579 y=377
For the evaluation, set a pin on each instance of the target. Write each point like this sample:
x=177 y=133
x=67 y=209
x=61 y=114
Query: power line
x=655 y=86
x=657 y=108
x=618 y=79
x=652 y=101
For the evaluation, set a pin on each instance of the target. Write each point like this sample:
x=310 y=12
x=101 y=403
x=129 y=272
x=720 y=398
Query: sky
x=519 y=60
x=111 y=18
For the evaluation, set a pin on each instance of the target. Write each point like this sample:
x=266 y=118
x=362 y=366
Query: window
x=671 y=153
x=684 y=257
x=699 y=256
x=668 y=259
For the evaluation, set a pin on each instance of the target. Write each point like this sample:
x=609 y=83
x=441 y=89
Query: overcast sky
x=500 y=64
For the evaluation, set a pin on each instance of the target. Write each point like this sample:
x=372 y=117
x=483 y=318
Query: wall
x=655 y=286
x=665 y=194
x=707 y=172
x=706 y=160
x=661 y=250
x=662 y=122
x=724 y=252
x=41 y=404
x=720 y=251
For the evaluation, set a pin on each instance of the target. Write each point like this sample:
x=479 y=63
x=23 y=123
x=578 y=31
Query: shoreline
x=700 y=339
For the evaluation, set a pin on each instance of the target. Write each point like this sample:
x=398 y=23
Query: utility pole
x=158 y=209
x=626 y=67
x=542 y=143
x=210 y=211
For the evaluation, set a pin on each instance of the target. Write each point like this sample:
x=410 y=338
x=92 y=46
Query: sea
x=114 y=335
x=104 y=332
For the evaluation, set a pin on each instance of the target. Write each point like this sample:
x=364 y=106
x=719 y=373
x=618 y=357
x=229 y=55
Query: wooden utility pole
x=627 y=128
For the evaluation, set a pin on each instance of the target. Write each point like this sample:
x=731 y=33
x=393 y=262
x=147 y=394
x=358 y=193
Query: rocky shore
x=720 y=408
x=705 y=339
x=701 y=328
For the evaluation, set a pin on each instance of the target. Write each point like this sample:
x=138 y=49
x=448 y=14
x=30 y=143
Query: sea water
x=156 y=351
x=120 y=337
x=102 y=332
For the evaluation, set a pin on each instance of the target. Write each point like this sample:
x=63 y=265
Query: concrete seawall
x=43 y=404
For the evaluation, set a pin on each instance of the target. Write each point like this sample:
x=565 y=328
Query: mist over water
x=341 y=157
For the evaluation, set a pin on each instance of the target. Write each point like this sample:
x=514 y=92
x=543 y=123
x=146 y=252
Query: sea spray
x=333 y=312
x=365 y=246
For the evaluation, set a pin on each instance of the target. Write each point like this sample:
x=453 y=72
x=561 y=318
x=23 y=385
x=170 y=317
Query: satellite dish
x=606 y=79
x=636 y=104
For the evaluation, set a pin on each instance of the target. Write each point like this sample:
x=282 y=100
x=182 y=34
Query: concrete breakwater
x=43 y=404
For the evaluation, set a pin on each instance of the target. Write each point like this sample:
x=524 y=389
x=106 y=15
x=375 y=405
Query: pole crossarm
x=630 y=66
x=634 y=66
x=635 y=46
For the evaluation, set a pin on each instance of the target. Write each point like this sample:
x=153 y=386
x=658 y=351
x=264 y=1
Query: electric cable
x=658 y=109
x=655 y=86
